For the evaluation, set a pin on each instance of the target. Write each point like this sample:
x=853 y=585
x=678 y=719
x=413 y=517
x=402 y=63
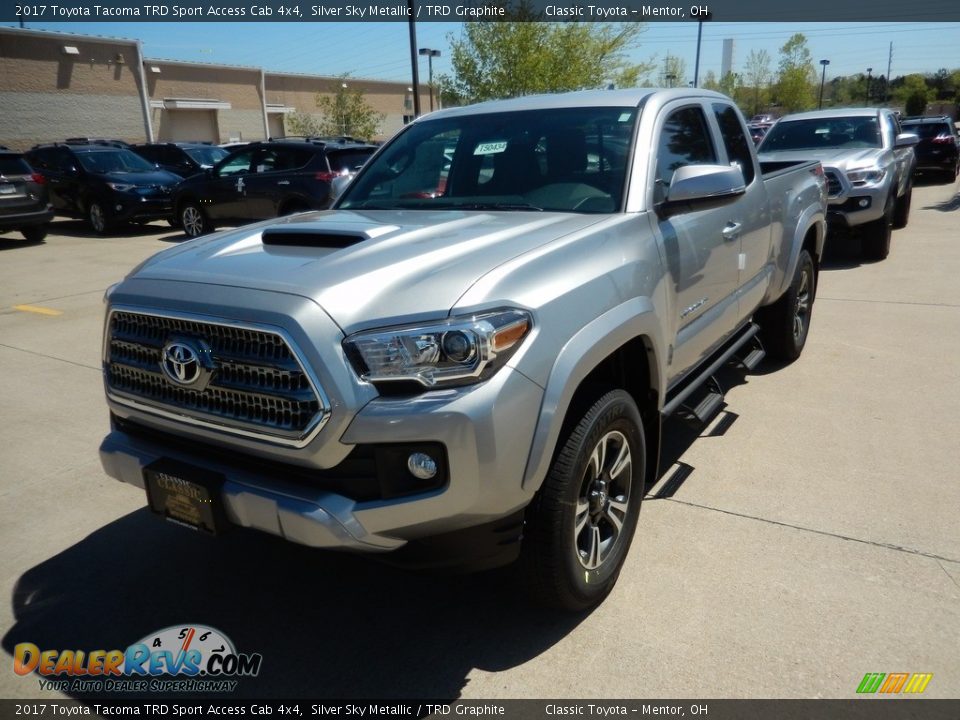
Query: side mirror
x=906 y=140
x=700 y=187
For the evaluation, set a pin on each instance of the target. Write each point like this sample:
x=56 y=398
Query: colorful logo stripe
x=894 y=683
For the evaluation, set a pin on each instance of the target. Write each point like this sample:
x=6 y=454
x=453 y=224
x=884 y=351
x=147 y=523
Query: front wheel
x=97 y=217
x=785 y=324
x=194 y=220
x=581 y=523
x=901 y=215
x=876 y=235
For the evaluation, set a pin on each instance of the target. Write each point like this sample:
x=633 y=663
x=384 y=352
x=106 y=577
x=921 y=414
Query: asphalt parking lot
x=807 y=536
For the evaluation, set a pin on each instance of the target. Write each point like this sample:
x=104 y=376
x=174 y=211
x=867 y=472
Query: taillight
x=38 y=178
x=945 y=138
x=326 y=175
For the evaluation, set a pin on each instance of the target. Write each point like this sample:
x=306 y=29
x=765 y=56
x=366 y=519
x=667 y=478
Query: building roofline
x=133 y=42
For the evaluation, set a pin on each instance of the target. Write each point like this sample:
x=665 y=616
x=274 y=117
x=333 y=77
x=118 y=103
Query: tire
x=876 y=235
x=580 y=524
x=35 y=234
x=194 y=220
x=785 y=324
x=901 y=213
x=97 y=217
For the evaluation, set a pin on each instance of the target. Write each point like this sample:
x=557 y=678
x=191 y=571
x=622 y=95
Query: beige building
x=55 y=86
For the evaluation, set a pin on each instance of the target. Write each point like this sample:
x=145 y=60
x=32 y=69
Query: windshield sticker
x=626 y=117
x=491 y=148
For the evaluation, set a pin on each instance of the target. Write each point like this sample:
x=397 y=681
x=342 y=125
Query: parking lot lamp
x=823 y=76
x=869 y=71
x=431 y=54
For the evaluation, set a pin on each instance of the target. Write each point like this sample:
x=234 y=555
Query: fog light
x=864 y=202
x=421 y=466
x=119 y=208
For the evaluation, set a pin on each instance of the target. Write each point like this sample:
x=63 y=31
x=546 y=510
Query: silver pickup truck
x=868 y=163
x=477 y=345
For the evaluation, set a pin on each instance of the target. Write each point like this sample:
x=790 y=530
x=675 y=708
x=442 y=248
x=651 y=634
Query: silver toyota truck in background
x=473 y=351
x=868 y=163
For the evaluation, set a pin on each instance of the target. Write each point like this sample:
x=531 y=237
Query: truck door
x=751 y=212
x=701 y=246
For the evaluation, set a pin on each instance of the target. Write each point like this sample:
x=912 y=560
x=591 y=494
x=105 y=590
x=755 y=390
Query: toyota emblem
x=180 y=362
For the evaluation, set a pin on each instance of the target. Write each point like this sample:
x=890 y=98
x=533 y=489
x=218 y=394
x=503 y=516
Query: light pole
x=431 y=54
x=412 y=27
x=869 y=70
x=823 y=76
x=670 y=77
x=696 y=64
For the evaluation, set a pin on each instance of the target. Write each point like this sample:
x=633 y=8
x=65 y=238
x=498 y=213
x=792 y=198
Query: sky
x=381 y=51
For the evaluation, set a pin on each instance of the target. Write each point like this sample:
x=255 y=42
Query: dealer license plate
x=186 y=495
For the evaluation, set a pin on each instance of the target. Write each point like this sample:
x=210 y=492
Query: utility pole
x=886 y=90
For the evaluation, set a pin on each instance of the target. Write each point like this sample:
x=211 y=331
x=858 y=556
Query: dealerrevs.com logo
x=181 y=658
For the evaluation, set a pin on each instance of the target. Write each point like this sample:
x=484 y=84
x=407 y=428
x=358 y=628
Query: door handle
x=731 y=230
x=283 y=182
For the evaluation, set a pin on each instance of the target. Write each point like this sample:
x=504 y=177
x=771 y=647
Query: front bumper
x=486 y=432
x=124 y=207
x=854 y=206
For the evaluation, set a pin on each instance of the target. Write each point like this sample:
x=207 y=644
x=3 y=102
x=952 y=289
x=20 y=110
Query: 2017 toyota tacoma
x=474 y=349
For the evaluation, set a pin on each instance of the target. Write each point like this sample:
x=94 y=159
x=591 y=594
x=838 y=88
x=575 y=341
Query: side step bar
x=715 y=397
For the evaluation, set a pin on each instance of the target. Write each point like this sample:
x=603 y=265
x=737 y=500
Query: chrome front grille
x=257 y=384
x=834 y=187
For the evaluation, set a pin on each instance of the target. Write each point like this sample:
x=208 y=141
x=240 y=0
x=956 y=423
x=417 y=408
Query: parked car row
x=109 y=183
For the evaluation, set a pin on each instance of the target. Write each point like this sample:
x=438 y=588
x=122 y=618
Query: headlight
x=457 y=351
x=120 y=187
x=866 y=176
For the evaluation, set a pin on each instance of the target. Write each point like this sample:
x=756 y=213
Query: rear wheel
x=785 y=324
x=581 y=523
x=36 y=233
x=876 y=235
x=194 y=220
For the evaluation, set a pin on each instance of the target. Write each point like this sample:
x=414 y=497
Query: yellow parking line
x=37 y=309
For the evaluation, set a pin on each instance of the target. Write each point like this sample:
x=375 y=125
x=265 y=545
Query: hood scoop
x=320 y=238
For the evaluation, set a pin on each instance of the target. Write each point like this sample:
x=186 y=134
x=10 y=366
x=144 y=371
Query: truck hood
x=837 y=158
x=394 y=265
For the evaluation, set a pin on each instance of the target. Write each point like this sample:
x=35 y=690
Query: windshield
x=207 y=156
x=570 y=159
x=119 y=160
x=834 y=132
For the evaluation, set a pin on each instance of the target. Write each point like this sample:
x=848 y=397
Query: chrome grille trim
x=262 y=389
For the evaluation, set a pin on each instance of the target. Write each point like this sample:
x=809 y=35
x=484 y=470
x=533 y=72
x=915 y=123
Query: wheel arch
x=620 y=349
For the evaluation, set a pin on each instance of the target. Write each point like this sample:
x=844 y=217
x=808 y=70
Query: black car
x=939 y=146
x=267 y=179
x=105 y=184
x=24 y=200
x=181 y=158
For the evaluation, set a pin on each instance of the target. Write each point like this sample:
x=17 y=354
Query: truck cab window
x=684 y=140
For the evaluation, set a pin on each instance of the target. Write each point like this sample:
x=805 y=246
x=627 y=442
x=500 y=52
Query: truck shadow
x=328 y=625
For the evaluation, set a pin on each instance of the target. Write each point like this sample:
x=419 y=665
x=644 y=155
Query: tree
x=796 y=77
x=515 y=57
x=913 y=94
x=674 y=72
x=298 y=123
x=346 y=112
x=757 y=76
